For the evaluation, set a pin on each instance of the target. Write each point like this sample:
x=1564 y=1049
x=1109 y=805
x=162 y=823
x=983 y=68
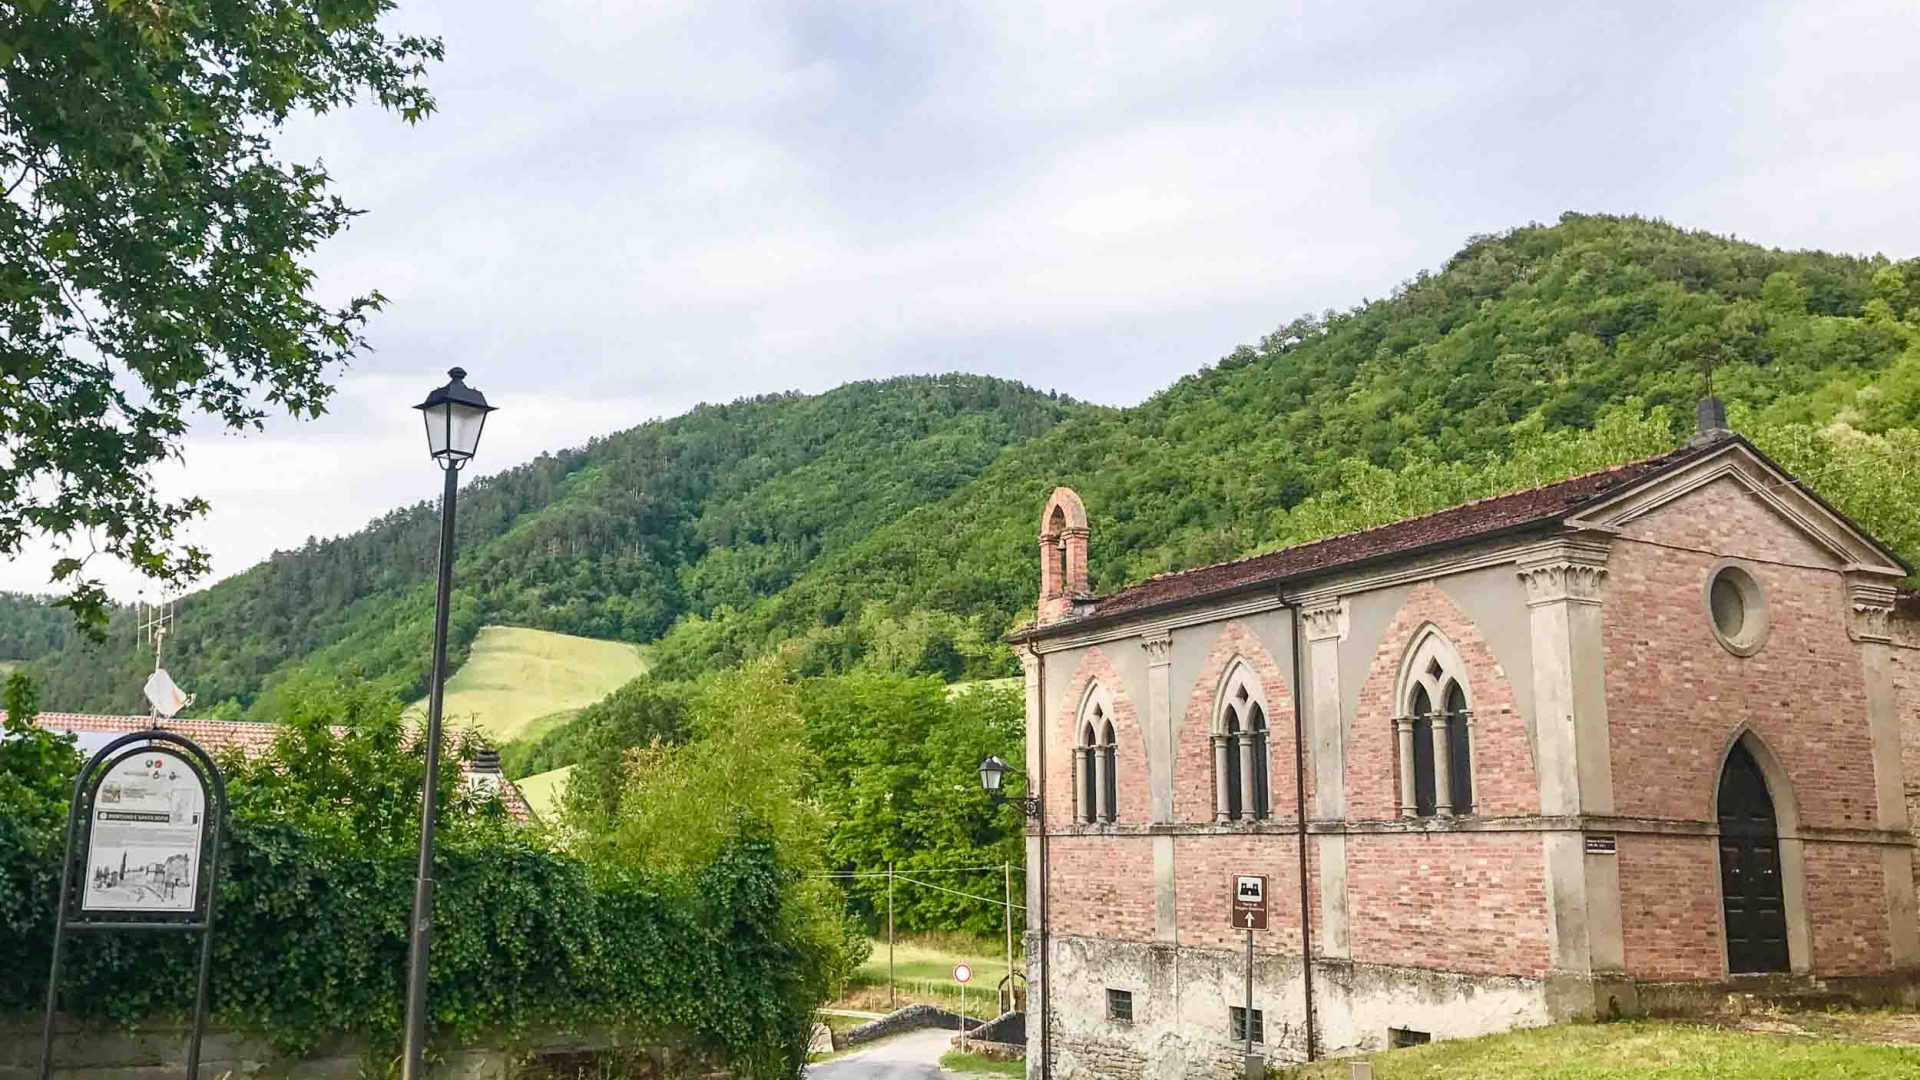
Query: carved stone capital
x=1321 y=623
x=1564 y=573
x=1029 y=661
x=1871 y=604
x=1159 y=648
x=1072 y=531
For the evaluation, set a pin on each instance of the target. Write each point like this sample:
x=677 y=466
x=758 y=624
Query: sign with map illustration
x=143 y=835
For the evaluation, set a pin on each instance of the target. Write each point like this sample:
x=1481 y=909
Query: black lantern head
x=993 y=773
x=455 y=413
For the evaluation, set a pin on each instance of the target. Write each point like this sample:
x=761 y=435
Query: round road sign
x=962 y=973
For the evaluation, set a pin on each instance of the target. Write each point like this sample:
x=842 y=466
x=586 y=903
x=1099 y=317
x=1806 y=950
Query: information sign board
x=144 y=835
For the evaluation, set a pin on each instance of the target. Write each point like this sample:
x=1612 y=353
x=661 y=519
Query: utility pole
x=1006 y=868
x=890 y=1004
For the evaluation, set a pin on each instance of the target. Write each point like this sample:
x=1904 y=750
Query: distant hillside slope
x=891 y=525
x=513 y=676
x=614 y=540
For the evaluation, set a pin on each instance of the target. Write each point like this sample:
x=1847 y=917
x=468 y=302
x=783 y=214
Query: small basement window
x=1120 y=1006
x=1737 y=610
x=1399 y=1038
x=1237 y=1024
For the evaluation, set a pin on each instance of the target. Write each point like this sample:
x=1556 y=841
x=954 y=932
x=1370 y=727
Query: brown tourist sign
x=1249 y=906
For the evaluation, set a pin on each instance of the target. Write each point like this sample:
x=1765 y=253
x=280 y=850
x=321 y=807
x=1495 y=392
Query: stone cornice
x=1060 y=636
x=1282 y=827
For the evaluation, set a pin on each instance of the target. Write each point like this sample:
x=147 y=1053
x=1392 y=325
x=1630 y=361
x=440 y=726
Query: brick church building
x=1608 y=746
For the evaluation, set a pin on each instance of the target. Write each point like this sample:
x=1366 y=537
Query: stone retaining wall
x=911 y=1018
x=84 y=1050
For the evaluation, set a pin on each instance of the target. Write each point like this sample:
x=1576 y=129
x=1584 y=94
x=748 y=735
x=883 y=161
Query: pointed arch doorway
x=1750 y=882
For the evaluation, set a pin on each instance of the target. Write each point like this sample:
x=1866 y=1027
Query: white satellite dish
x=166 y=698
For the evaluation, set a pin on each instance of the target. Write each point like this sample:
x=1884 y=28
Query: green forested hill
x=891 y=525
x=1529 y=356
x=616 y=540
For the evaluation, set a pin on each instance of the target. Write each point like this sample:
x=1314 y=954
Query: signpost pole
x=60 y=923
x=206 y=936
x=1248 y=911
x=1246 y=1018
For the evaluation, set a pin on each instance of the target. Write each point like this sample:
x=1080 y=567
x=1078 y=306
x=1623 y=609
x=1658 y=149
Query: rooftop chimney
x=1713 y=422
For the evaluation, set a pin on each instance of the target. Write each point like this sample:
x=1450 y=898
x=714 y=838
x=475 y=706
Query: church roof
x=1482 y=519
x=250 y=738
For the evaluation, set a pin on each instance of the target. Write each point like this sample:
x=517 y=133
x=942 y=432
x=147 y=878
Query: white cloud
x=622 y=209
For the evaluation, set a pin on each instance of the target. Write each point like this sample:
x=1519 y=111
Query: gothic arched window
x=1096 y=782
x=1435 y=731
x=1242 y=780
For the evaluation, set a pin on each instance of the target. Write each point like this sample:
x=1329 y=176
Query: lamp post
x=993 y=777
x=454 y=413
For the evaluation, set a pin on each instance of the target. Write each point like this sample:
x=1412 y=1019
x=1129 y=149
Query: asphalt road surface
x=913 y=1056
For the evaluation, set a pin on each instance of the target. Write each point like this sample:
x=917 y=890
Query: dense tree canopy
x=153 y=247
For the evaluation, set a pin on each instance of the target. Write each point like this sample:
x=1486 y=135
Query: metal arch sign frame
x=100 y=898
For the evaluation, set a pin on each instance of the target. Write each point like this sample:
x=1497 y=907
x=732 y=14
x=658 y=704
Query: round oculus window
x=1737 y=610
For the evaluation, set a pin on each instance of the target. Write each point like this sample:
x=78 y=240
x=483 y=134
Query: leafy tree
x=743 y=776
x=154 y=243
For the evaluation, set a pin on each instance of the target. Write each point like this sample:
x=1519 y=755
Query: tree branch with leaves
x=154 y=247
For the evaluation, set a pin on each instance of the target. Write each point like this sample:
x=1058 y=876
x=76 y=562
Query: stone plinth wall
x=158 y=1051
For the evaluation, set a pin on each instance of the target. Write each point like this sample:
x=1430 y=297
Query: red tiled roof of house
x=249 y=737
x=1460 y=524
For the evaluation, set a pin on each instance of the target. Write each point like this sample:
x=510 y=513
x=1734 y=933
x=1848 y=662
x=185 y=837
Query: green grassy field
x=1635 y=1050
x=517 y=679
x=923 y=971
x=542 y=791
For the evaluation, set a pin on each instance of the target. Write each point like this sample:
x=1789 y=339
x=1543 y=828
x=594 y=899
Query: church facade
x=1608 y=746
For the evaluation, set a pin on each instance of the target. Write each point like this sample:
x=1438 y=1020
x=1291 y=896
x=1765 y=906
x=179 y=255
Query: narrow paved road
x=913 y=1056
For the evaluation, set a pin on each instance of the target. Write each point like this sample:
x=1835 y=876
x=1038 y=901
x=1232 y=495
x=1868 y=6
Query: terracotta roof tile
x=215 y=736
x=1464 y=523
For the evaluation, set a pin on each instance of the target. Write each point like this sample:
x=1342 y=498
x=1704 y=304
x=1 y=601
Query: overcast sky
x=622 y=209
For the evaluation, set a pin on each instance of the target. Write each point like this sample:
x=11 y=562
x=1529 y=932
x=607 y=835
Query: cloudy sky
x=622 y=209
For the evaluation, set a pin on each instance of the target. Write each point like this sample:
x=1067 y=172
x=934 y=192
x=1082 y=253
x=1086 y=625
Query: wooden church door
x=1750 y=869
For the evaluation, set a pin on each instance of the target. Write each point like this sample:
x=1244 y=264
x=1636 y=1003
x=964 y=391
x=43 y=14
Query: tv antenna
x=156 y=622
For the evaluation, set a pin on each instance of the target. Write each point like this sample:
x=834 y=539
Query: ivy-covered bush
x=316 y=889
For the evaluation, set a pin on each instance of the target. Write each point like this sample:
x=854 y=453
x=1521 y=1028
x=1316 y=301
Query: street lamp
x=454 y=413
x=993 y=774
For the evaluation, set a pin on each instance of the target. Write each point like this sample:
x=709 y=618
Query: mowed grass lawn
x=1635 y=1050
x=516 y=676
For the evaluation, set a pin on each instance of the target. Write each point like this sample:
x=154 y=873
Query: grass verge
x=1634 y=1050
x=971 y=1064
